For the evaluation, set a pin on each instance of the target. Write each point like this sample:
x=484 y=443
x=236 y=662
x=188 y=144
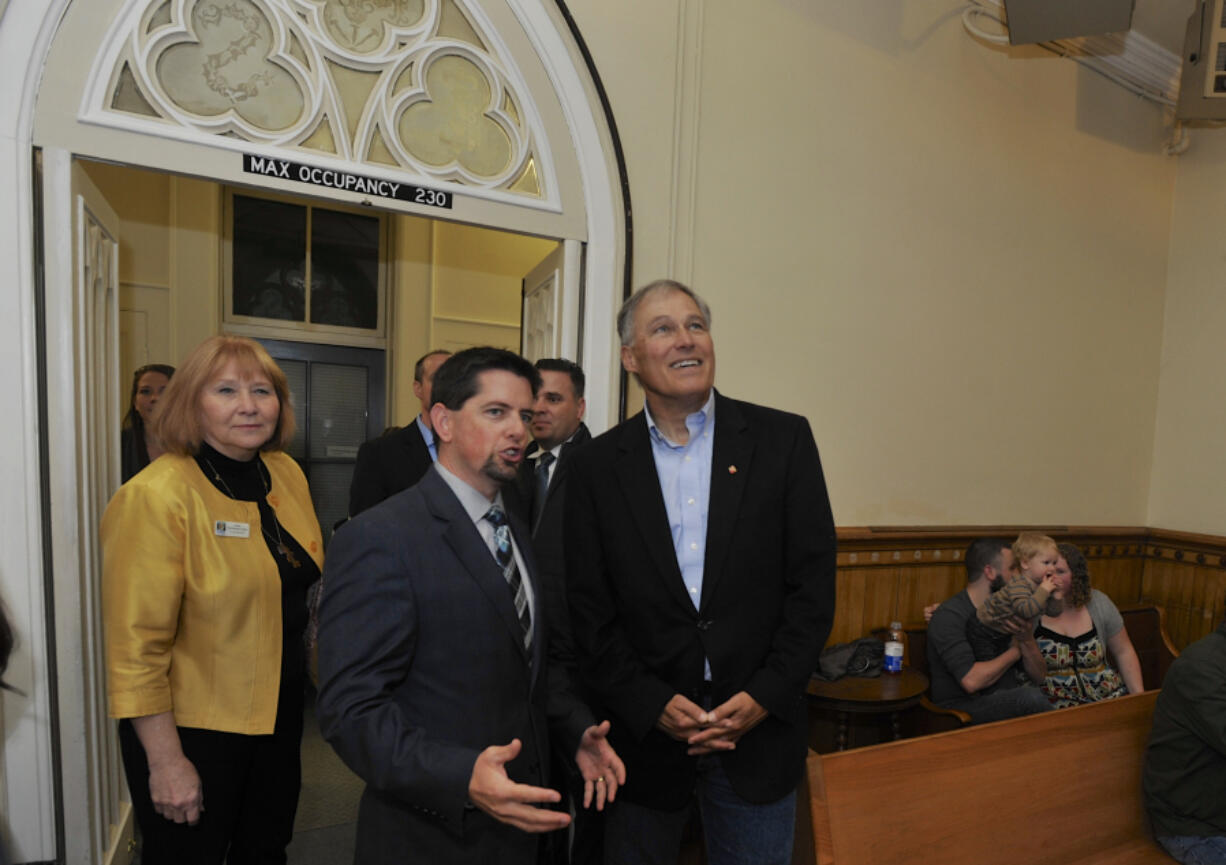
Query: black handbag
x=862 y=657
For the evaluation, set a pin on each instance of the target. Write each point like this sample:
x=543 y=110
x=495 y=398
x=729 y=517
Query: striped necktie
x=506 y=560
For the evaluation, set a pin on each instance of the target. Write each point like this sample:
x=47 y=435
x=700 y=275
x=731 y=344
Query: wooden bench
x=1146 y=626
x=1060 y=787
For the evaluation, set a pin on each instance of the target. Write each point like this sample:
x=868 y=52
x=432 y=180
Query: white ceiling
x=1163 y=21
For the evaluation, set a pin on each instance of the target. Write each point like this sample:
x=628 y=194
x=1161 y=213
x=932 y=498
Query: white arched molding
x=27 y=794
x=48 y=52
x=425 y=87
x=527 y=45
x=451 y=99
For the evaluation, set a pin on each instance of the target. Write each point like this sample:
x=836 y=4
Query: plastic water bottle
x=895 y=646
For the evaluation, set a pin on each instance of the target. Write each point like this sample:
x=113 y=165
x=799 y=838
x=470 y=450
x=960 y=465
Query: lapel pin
x=731 y=470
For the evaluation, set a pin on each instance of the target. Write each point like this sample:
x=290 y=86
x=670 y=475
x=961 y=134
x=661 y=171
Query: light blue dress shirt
x=427 y=435
x=685 y=482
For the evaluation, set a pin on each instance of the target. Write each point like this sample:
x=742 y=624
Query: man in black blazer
x=435 y=683
x=540 y=488
x=700 y=553
x=396 y=460
x=559 y=432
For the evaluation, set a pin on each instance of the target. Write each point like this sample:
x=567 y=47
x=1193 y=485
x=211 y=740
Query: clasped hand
x=708 y=732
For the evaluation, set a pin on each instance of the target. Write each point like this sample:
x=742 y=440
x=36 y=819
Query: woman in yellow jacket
x=207 y=556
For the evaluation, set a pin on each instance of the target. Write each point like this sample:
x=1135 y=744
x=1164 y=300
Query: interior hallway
x=325 y=828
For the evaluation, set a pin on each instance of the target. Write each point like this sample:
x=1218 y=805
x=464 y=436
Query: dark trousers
x=251 y=786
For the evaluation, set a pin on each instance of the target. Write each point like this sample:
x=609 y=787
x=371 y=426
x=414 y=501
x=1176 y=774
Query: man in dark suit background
x=540 y=489
x=700 y=555
x=557 y=429
x=435 y=684
x=559 y=432
x=398 y=459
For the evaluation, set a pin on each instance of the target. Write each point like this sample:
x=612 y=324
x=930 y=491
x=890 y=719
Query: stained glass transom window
x=413 y=84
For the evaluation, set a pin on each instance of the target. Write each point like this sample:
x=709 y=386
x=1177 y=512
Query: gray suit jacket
x=421 y=667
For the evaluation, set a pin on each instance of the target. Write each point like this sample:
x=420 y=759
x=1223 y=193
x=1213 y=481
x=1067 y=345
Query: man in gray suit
x=435 y=682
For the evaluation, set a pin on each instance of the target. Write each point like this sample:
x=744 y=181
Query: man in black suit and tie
x=435 y=685
x=397 y=460
x=700 y=553
x=559 y=432
x=540 y=489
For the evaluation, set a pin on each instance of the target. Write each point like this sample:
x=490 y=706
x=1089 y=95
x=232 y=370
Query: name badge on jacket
x=225 y=529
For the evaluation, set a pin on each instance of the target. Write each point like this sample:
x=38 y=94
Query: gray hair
x=625 y=316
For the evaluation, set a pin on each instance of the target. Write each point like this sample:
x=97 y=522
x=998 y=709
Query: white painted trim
x=28 y=787
x=568 y=303
x=119 y=42
x=687 y=110
x=484 y=322
x=606 y=254
x=64 y=347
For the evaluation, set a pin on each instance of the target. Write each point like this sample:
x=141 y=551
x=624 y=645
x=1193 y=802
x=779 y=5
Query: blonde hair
x=177 y=423
x=1030 y=544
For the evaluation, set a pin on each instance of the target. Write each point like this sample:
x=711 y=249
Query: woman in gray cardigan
x=1087 y=650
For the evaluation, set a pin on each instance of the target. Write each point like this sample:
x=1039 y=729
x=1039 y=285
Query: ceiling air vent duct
x=1202 y=86
x=1032 y=21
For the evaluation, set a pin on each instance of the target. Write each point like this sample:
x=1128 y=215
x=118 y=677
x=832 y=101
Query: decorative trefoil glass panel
x=417 y=85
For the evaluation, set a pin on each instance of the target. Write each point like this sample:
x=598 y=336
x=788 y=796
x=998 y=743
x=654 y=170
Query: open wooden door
x=83 y=384
x=552 y=305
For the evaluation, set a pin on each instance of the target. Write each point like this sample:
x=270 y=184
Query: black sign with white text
x=330 y=177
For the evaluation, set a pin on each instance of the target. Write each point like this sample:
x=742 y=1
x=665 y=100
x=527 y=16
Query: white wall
x=950 y=259
x=1189 y=472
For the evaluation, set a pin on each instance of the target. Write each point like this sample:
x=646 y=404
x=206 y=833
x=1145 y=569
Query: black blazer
x=547 y=536
x=386 y=465
x=767 y=596
x=421 y=667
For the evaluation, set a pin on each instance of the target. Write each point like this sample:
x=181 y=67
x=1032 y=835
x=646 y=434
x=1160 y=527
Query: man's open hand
x=603 y=771
x=491 y=790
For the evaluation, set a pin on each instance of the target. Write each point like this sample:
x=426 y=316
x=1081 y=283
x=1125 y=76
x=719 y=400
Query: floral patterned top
x=1078 y=670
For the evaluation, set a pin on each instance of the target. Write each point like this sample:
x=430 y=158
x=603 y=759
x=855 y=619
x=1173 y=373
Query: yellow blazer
x=193 y=618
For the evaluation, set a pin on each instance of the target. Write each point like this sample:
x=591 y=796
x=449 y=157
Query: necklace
x=285 y=551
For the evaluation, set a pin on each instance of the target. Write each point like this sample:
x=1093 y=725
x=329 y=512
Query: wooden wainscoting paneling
x=893 y=572
x=1186 y=574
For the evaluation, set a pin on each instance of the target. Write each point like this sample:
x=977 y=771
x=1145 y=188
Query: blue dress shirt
x=685 y=482
x=427 y=435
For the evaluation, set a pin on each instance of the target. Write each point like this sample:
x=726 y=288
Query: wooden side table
x=852 y=695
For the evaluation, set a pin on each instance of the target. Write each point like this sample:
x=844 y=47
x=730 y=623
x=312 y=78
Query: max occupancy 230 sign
x=347 y=181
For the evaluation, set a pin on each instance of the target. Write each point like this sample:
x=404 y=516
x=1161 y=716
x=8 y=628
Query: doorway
x=338 y=399
x=447 y=285
x=84 y=105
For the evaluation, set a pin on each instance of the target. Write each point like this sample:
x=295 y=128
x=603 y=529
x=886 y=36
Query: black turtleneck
x=249 y=482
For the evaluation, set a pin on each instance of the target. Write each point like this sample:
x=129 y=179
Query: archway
x=51 y=57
